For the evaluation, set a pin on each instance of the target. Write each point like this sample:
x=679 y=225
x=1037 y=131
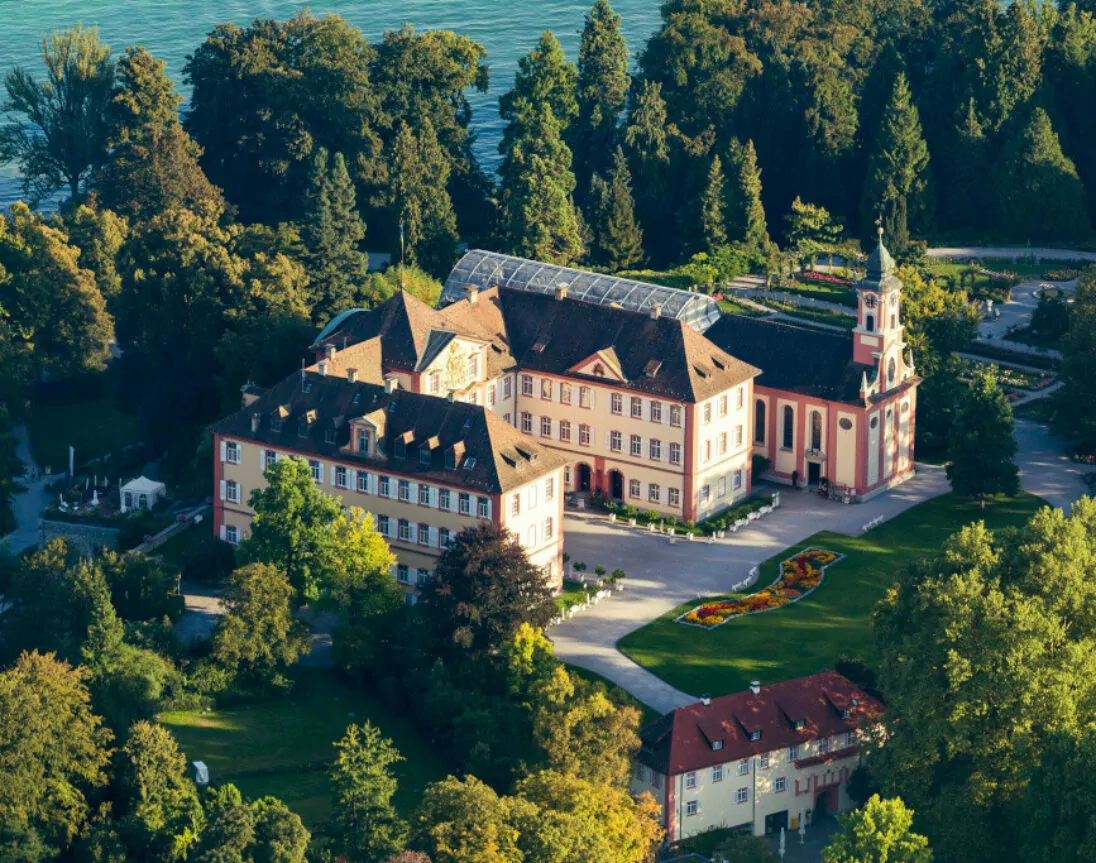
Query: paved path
x=28 y=505
x=1045 y=467
x=1011 y=252
x=661 y=576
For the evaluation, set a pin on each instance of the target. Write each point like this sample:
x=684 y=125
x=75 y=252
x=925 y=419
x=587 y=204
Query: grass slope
x=94 y=427
x=833 y=621
x=282 y=747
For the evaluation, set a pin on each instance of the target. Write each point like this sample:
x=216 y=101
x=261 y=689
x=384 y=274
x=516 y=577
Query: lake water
x=172 y=29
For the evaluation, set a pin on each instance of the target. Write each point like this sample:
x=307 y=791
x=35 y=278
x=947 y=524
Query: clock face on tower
x=870 y=301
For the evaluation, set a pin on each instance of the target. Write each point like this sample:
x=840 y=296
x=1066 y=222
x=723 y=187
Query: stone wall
x=85 y=538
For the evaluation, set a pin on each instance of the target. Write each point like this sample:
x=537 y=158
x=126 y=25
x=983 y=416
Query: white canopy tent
x=141 y=493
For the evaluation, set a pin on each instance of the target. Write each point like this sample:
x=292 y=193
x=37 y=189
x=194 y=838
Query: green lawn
x=93 y=426
x=618 y=695
x=1040 y=410
x=819 y=316
x=282 y=747
x=830 y=293
x=832 y=622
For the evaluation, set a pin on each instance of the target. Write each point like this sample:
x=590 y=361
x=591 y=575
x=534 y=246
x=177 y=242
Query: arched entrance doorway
x=616 y=485
x=582 y=477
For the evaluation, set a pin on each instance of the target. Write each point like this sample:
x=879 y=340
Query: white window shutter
x=434 y=498
x=332 y=474
x=413 y=492
x=490 y=508
x=433 y=537
x=224 y=490
x=262 y=460
x=224 y=532
x=224 y=450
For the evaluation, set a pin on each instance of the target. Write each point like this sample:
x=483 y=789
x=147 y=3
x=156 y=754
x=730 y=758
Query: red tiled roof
x=827 y=704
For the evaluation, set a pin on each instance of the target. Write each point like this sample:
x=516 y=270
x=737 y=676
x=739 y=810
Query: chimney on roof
x=452 y=396
x=352 y=375
x=329 y=351
x=706 y=699
x=254 y=423
x=321 y=367
x=755 y=687
x=472 y=292
x=561 y=292
x=656 y=311
x=391 y=385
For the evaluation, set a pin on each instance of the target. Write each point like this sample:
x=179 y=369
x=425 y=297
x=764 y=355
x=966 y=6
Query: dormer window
x=302 y=429
x=424 y=456
x=275 y=424
x=599 y=370
x=363 y=442
x=717 y=745
x=329 y=435
x=799 y=724
x=399 y=448
x=450 y=460
x=755 y=736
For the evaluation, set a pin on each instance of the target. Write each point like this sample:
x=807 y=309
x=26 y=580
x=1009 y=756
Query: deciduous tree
x=881 y=831
x=62 y=134
x=465 y=821
x=981 y=446
x=1076 y=400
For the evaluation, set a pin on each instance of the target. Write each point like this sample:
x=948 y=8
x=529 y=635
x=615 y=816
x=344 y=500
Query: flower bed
x=828 y=278
x=799 y=576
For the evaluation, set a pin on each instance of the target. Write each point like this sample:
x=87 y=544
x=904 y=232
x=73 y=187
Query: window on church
x=816 y=430
x=789 y=427
x=869 y=323
x=891 y=371
x=759 y=422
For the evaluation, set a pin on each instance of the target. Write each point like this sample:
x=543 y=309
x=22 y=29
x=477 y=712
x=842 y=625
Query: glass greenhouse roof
x=486 y=270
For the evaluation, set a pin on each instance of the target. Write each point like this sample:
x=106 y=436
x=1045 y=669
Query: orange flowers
x=799 y=576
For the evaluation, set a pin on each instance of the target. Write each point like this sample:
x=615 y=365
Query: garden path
x=27 y=505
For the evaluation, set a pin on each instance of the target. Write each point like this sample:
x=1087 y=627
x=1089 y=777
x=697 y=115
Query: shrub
x=209 y=560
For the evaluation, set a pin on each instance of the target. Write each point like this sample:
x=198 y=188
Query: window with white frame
x=654 y=493
x=655 y=449
x=232 y=534
x=384 y=525
x=780 y=784
x=656 y=412
x=824 y=745
x=723 y=405
x=232 y=491
x=616 y=441
x=232 y=452
x=850 y=737
x=722 y=443
x=567 y=475
x=483 y=507
x=763 y=761
x=340 y=476
x=270 y=458
x=403 y=574
x=464 y=502
x=674 y=497
x=690 y=781
x=721 y=487
x=432 y=383
x=515 y=504
x=424 y=495
x=531 y=492
x=424 y=534
x=565 y=431
x=635 y=489
x=444 y=499
x=527 y=422
x=585 y=397
x=742 y=795
x=740 y=397
x=717 y=773
x=444 y=537
x=549 y=529
x=616 y=403
x=531 y=536
x=707 y=450
x=329 y=436
x=385 y=486
x=545 y=426
x=738 y=479
x=636 y=447
x=526 y=385
x=317 y=470
x=507 y=387
x=637 y=408
x=744 y=767
x=564 y=393
x=405 y=491
x=363 y=482
x=583 y=435
x=675 y=416
x=405 y=530
x=707 y=413
x=705 y=494
x=793 y=752
x=546 y=389
x=363 y=442
x=549 y=488
x=692 y=807
x=675 y=453
x=491 y=395
x=738 y=435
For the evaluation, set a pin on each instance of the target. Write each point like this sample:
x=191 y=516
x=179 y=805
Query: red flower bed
x=828 y=278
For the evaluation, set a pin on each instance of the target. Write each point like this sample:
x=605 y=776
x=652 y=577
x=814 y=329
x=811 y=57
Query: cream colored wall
x=765 y=448
x=724 y=469
x=905 y=414
x=784 y=459
x=719 y=807
x=249 y=475
x=722 y=465
x=542 y=551
x=502 y=406
x=846 y=451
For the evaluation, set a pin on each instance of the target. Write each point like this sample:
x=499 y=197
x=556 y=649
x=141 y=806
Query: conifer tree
x=602 y=90
x=618 y=240
x=647 y=146
x=544 y=77
x=419 y=200
x=1039 y=193
x=898 y=177
x=968 y=178
x=981 y=446
x=745 y=212
x=713 y=208
x=332 y=233
x=540 y=219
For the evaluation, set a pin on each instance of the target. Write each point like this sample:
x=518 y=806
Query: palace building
x=760 y=760
x=531 y=380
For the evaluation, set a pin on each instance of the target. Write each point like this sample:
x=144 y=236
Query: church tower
x=878 y=336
